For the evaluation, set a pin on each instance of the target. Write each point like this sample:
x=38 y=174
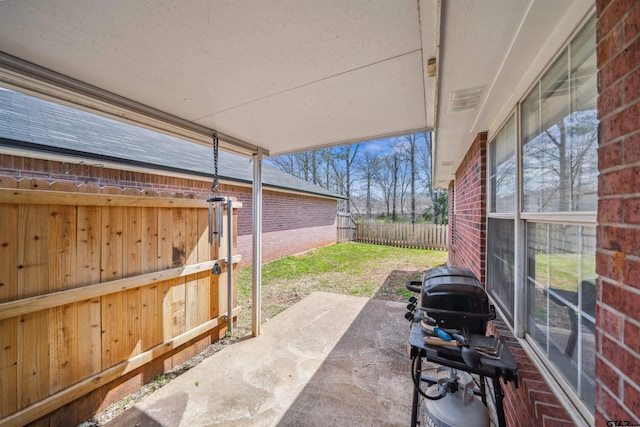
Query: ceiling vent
x=465 y=99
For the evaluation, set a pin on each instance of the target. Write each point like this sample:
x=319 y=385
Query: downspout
x=256 y=301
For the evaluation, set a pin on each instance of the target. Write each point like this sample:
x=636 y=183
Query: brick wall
x=292 y=223
x=468 y=242
x=618 y=247
x=533 y=403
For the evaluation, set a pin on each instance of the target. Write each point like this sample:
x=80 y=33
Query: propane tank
x=456 y=409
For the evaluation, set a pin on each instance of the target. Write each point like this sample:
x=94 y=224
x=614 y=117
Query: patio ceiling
x=288 y=75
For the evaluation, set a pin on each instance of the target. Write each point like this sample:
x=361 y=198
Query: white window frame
x=577 y=409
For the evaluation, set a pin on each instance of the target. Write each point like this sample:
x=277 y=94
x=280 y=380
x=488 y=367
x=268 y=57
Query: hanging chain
x=214 y=184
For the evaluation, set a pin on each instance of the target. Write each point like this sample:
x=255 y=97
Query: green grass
x=359 y=269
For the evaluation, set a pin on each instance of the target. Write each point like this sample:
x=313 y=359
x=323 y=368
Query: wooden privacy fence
x=94 y=284
x=421 y=236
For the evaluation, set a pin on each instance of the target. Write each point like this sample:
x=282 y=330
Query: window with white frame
x=545 y=178
x=500 y=225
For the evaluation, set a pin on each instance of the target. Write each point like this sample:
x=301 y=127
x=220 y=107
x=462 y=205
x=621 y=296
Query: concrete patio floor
x=329 y=360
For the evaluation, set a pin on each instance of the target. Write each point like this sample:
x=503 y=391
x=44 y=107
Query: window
x=559 y=137
x=542 y=201
x=560 y=133
x=561 y=295
x=501 y=262
x=500 y=226
x=502 y=168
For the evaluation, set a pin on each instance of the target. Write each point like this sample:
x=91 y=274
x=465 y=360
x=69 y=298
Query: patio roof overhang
x=287 y=76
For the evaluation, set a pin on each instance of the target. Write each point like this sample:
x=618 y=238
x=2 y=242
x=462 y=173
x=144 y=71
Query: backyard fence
x=97 y=284
x=421 y=236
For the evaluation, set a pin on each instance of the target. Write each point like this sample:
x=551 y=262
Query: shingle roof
x=31 y=123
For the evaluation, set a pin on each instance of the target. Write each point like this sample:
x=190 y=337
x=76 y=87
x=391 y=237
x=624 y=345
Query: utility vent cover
x=465 y=99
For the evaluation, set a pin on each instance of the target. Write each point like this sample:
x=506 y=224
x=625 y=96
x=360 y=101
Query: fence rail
x=420 y=236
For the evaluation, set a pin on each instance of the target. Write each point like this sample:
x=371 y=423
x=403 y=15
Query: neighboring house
x=41 y=139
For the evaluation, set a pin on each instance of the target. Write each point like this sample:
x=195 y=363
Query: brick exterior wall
x=292 y=223
x=618 y=245
x=467 y=245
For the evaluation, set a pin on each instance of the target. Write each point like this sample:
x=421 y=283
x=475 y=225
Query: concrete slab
x=330 y=360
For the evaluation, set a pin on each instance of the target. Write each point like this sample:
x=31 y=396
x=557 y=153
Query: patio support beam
x=256 y=294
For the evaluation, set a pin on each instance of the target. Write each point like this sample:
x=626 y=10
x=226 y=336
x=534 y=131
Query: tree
x=367 y=167
x=383 y=178
x=346 y=154
x=411 y=143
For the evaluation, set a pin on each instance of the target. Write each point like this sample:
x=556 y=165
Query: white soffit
x=501 y=45
x=284 y=75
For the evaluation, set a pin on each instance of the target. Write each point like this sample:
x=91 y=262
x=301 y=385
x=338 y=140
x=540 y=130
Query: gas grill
x=448 y=327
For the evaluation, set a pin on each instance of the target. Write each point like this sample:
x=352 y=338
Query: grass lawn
x=373 y=271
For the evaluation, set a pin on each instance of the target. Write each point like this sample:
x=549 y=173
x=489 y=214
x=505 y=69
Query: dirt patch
x=393 y=288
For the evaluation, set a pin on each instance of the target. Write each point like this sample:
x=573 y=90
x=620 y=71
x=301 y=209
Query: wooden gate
x=346 y=227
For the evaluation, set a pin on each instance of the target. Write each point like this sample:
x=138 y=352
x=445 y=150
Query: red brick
x=610 y=239
x=543 y=409
x=624 y=239
x=632 y=273
x=543 y=397
x=609 y=322
x=621 y=123
x=632 y=336
x=612 y=352
x=631 y=87
x=610 y=210
x=621 y=299
x=610 y=45
x=605 y=266
x=632 y=24
x=610 y=100
x=6 y=161
x=610 y=408
x=618 y=182
x=607 y=376
x=609 y=156
x=554 y=422
x=632 y=149
x=613 y=14
x=619 y=66
x=632 y=398
x=601 y=6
